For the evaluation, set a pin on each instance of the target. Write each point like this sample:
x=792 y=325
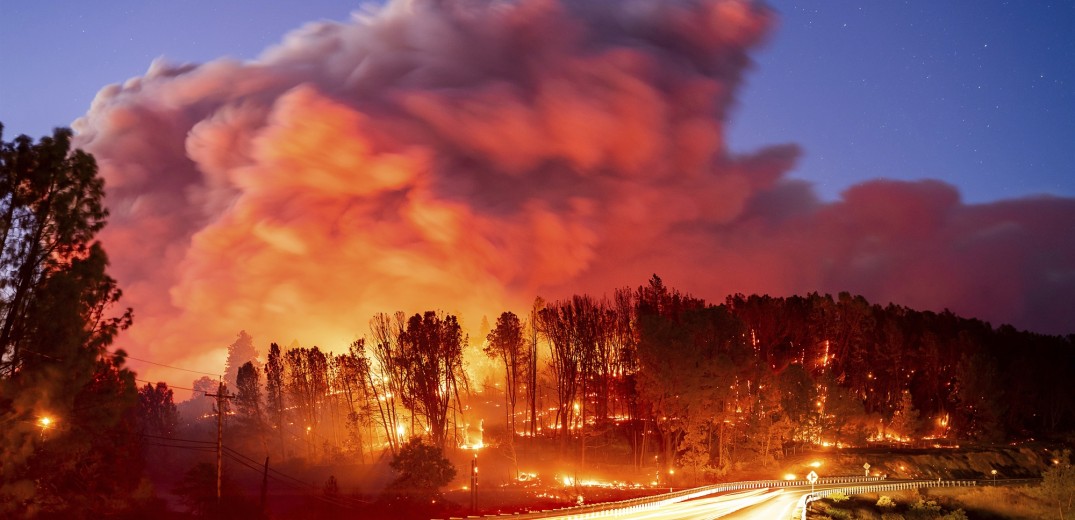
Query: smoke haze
x=469 y=156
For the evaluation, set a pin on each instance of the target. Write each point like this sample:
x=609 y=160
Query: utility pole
x=264 y=484
x=221 y=394
x=474 y=483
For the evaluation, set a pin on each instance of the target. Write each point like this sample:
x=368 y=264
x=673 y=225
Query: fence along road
x=805 y=500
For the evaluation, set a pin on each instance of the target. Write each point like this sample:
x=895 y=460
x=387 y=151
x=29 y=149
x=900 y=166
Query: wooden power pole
x=264 y=483
x=221 y=394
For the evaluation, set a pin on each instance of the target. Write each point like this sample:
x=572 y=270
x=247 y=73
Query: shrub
x=958 y=514
x=924 y=510
x=926 y=506
x=838 y=497
x=886 y=502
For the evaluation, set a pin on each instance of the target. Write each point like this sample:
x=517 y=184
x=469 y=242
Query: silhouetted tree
x=507 y=345
x=351 y=378
x=431 y=350
x=157 y=413
x=274 y=390
x=307 y=382
x=248 y=399
x=1058 y=483
x=387 y=383
x=422 y=469
x=55 y=330
x=240 y=352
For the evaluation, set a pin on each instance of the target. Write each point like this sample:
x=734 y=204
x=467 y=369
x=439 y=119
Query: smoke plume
x=470 y=155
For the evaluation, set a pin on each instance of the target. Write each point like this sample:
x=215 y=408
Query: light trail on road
x=768 y=500
x=759 y=504
x=707 y=508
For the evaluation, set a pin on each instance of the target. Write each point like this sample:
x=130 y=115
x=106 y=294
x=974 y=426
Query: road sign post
x=812 y=477
x=866 y=467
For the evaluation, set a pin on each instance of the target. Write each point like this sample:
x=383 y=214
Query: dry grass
x=980 y=503
x=987 y=502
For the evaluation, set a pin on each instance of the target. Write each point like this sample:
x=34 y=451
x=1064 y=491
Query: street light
x=994 y=472
x=44 y=422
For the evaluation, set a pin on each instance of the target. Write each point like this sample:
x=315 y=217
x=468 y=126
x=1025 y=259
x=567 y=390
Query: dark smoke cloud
x=470 y=155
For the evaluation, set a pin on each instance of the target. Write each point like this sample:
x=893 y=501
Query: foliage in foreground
x=422 y=469
x=68 y=442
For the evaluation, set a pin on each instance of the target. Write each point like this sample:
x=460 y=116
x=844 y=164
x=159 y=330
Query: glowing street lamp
x=994 y=472
x=44 y=422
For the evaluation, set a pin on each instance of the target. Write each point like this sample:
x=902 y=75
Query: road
x=705 y=508
x=760 y=504
x=779 y=507
x=764 y=500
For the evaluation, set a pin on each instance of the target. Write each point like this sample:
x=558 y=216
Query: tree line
x=653 y=372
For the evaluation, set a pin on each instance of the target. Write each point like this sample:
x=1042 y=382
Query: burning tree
x=274 y=392
x=555 y=325
x=307 y=382
x=506 y=343
x=352 y=379
x=431 y=350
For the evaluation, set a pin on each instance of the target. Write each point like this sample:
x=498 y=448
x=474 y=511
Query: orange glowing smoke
x=458 y=156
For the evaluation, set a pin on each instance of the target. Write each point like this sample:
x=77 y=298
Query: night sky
x=979 y=94
x=381 y=164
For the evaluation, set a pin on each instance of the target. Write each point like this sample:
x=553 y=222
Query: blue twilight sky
x=980 y=94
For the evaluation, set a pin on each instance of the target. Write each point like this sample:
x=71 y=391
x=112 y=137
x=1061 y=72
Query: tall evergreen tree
x=274 y=391
x=67 y=403
x=241 y=351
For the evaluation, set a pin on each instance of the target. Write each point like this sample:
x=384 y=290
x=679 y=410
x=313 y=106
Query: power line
x=24 y=349
x=177 y=439
x=169 y=385
x=235 y=455
x=238 y=458
x=203 y=449
x=174 y=367
x=340 y=501
x=243 y=460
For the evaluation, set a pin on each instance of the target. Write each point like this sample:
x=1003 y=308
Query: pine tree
x=66 y=402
